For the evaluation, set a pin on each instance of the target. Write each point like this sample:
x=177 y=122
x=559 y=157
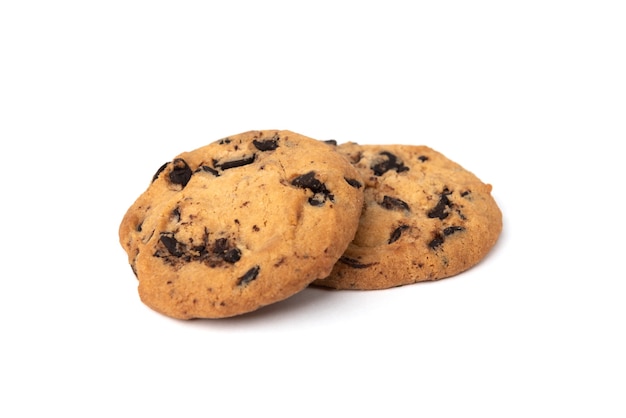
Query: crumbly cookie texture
x=425 y=218
x=243 y=222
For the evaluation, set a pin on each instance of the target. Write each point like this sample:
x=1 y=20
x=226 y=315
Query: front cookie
x=241 y=223
x=425 y=218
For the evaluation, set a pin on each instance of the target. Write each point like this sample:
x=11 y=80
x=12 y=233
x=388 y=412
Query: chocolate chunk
x=436 y=242
x=207 y=169
x=199 y=252
x=331 y=142
x=249 y=276
x=452 y=229
x=176 y=214
x=266 y=144
x=319 y=201
x=235 y=163
x=316 y=201
x=465 y=193
x=321 y=193
x=232 y=256
x=308 y=181
x=176 y=252
x=175 y=248
x=440 y=210
x=138 y=229
x=224 y=141
x=391 y=163
x=181 y=173
x=220 y=246
x=395 y=235
x=354 y=183
x=354 y=263
x=159 y=171
x=393 y=203
x=422 y=158
x=222 y=249
x=439 y=238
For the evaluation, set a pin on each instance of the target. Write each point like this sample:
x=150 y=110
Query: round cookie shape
x=240 y=223
x=425 y=218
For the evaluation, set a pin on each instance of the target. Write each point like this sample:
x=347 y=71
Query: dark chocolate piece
x=266 y=144
x=308 y=181
x=395 y=235
x=207 y=169
x=436 y=241
x=422 y=158
x=248 y=276
x=393 y=203
x=174 y=247
x=181 y=173
x=353 y=182
x=391 y=163
x=232 y=256
x=331 y=142
x=321 y=193
x=440 y=210
x=355 y=263
x=214 y=255
x=176 y=214
x=159 y=171
x=235 y=163
x=452 y=229
x=222 y=249
x=316 y=201
x=439 y=238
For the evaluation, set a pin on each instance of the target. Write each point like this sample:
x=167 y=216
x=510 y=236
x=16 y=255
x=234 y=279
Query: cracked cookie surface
x=243 y=222
x=425 y=218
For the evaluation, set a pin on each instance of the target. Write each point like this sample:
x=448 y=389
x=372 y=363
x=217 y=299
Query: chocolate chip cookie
x=243 y=222
x=425 y=218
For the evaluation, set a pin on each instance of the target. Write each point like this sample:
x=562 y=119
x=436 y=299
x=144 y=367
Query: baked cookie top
x=243 y=222
x=425 y=218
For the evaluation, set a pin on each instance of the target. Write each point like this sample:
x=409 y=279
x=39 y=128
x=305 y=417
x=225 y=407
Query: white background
x=530 y=96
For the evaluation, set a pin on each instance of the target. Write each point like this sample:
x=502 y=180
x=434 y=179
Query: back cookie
x=425 y=218
x=241 y=223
